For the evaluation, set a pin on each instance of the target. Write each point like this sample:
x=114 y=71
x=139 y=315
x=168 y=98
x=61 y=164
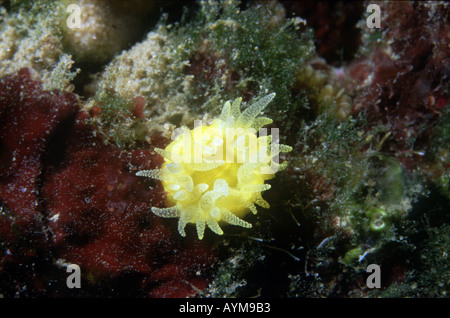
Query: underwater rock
x=105 y=28
x=101 y=219
x=402 y=76
x=65 y=192
x=29 y=119
x=365 y=112
x=30 y=37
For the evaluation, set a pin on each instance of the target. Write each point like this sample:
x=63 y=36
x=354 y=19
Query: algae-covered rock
x=31 y=37
x=186 y=70
x=365 y=111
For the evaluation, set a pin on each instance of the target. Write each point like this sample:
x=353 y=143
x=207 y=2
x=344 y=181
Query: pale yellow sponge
x=215 y=174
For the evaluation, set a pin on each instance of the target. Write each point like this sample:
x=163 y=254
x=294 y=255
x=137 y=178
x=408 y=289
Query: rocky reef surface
x=87 y=94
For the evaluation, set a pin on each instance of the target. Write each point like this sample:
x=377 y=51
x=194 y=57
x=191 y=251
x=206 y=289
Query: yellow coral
x=216 y=173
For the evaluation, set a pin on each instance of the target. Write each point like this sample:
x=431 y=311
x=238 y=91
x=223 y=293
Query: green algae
x=219 y=53
x=32 y=37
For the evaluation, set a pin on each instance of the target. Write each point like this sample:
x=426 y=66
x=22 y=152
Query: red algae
x=403 y=84
x=28 y=117
x=101 y=217
x=60 y=182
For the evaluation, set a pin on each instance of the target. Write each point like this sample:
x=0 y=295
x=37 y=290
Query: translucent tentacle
x=262 y=203
x=236 y=108
x=214 y=226
x=253 y=209
x=171 y=212
x=226 y=111
x=234 y=220
x=248 y=115
x=256 y=187
x=200 y=225
x=154 y=174
x=181 y=225
x=260 y=122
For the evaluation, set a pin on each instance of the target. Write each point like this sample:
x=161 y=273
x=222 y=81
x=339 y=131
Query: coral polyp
x=215 y=173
